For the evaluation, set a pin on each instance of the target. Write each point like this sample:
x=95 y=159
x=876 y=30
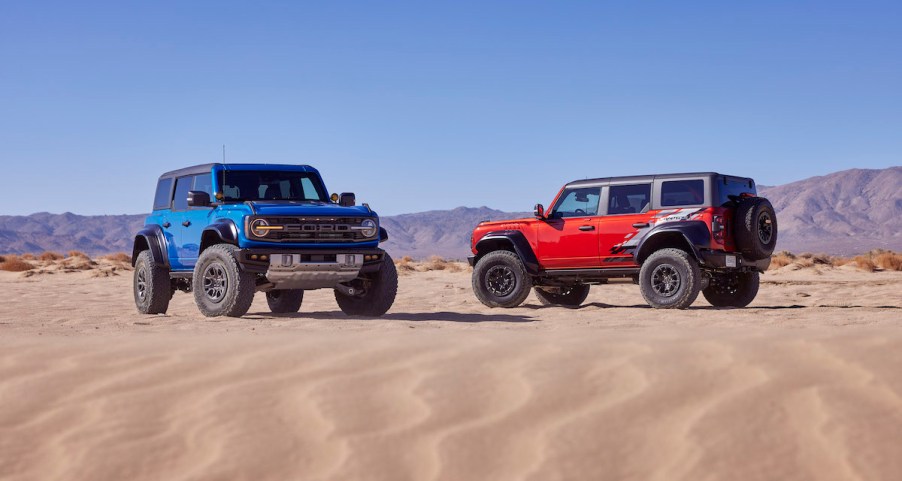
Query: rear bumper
x=720 y=260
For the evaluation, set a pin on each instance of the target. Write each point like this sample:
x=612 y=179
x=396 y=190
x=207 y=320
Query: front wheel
x=285 y=301
x=732 y=290
x=670 y=279
x=379 y=291
x=570 y=296
x=500 y=280
x=221 y=287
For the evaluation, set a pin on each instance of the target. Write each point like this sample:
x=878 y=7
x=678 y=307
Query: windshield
x=273 y=185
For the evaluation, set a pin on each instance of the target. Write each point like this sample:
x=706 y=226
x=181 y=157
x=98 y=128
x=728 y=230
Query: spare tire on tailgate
x=755 y=228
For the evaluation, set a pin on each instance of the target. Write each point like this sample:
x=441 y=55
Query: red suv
x=675 y=235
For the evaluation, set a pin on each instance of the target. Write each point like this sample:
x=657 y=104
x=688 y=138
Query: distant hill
x=842 y=213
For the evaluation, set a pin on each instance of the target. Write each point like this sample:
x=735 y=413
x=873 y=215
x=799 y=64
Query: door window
x=579 y=202
x=162 y=198
x=628 y=199
x=203 y=183
x=182 y=186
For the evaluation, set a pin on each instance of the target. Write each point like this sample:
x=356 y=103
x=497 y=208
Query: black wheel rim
x=500 y=280
x=665 y=280
x=215 y=282
x=141 y=284
x=765 y=228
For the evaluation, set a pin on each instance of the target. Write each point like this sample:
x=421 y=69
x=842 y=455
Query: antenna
x=223 y=153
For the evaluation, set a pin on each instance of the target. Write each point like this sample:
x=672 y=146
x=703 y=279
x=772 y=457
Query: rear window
x=162 y=197
x=682 y=192
x=732 y=186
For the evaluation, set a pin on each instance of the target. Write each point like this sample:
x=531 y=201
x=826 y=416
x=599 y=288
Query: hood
x=508 y=222
x=301 y=209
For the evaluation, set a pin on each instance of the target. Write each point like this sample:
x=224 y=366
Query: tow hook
x=347 y=290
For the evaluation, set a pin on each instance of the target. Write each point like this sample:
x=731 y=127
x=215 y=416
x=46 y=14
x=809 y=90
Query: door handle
x=166 y=224
x=586 y=227
x=639 y=225
x=186 y=223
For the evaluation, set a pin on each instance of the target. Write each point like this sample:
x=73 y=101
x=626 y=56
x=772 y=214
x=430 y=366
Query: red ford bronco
x=675 y=235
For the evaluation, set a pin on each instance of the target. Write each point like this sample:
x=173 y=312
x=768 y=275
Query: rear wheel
x=285 y=301
x=570 y=296
x=221 y=287
x=732 y=290
x=378 y=292
x=152 y=286
x=500 y=280
x=670 y=279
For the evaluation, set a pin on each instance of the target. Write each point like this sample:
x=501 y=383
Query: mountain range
x=845 y=212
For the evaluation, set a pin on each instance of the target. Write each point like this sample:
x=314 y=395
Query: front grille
x=315 y=229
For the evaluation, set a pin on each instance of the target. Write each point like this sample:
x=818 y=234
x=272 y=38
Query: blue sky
x=432 y=105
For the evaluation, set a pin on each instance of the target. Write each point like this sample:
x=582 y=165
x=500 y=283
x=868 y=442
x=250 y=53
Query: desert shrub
x=50 y=256
x=405 y=264
x=841 y=261
x=2 y=258
x=118 y=257
x=890 y=261
x=78 y=254
x=781 y=259
x=28 y=257
x=865 y=263
x=15 y=264
x=436 y=263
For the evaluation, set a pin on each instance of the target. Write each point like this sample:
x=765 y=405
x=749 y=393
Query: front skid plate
x=287 y=271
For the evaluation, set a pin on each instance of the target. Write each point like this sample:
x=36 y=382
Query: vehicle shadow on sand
x=404 y=316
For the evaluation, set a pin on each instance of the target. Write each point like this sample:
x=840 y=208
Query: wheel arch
x=509 y=240
x=220 y=232
x=151 y=238
x=686 y=235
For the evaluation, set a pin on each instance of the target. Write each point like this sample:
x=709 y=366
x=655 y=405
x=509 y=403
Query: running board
x=609 y=273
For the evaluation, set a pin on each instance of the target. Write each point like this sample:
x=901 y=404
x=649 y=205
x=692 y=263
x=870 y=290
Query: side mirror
x=197 y=198
x=539 y=211
x=347 y=199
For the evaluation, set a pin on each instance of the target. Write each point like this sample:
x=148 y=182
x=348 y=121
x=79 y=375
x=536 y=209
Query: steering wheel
x=579 y=212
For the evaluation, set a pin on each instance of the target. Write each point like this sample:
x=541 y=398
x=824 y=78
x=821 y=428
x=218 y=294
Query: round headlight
x=368 y=228
x=256 y=227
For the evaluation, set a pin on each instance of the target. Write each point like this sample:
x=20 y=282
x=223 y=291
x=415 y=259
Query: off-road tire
x=285 y=301
x=670 y=279
x=381 y=288
x=733 y=290
x=570 y=296
x=237 y=290
x=500 y=280
x=755 y=228
x=151 y=285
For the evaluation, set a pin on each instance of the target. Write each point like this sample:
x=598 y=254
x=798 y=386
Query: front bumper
x=722 y=260
x=310 y=268
x=472 y=261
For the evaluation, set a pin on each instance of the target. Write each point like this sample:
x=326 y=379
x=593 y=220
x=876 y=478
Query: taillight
x=718 y=228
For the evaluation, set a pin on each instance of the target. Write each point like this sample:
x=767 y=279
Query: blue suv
x=226 y=231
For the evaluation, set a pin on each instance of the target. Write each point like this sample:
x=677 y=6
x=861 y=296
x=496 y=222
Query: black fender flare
x=151 y=237
x=695 y=233
x=222 y=231
x=516 y=240
x=383 y=234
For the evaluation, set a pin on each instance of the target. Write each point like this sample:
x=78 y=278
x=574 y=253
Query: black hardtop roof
x=646 y=178
x=205 y=168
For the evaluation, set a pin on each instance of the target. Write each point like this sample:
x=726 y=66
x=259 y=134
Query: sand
x=804 y=384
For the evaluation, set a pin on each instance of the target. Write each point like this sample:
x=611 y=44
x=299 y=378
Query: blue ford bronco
x=226 y=231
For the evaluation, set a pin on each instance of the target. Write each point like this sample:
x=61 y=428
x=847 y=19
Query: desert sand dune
x=804 y=384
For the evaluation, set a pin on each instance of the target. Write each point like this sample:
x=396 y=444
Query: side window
x=203 y=183
x=628 y=199
x=182 y=186
x=162 y=199
x=578 y=202
x=682 y=192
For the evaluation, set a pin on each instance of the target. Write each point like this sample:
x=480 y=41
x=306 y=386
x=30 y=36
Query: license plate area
x=315 y=262
x=730 y=261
